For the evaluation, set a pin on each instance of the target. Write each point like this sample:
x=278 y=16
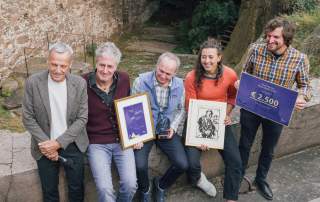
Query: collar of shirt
x=106 y=97
x=162 y=93
x=217 y=76
x=50 y=80
x=93 y=82
x=276 y=56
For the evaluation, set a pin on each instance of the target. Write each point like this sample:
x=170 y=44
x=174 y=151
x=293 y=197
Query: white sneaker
x=205 y=185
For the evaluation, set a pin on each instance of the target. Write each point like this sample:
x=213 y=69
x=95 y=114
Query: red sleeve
x=232 y=91
x=190 y=88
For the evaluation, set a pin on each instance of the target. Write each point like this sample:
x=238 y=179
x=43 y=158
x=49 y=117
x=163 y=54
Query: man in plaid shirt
x=275 y=61
x=167 y=97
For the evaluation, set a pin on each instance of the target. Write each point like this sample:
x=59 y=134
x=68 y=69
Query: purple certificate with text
x=266 y=99
x=135 y=120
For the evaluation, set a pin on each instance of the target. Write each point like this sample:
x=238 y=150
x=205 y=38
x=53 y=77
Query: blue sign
x=266 y=99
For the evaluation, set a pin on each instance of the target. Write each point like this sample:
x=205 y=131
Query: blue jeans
x=232 y=161
x=271 y=132
x=174 y=150
x=100 y=158
x=49 y=175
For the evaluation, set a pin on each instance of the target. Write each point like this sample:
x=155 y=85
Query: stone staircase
x=142 y=50
x=226 y=35
x=153 y=40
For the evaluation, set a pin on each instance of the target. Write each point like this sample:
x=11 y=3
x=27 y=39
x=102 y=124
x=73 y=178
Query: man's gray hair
x=60 y=47
x=170 y=56
x=109 y=49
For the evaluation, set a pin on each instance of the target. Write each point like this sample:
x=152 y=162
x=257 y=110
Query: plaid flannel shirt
x=290 y=67
x=162 y=94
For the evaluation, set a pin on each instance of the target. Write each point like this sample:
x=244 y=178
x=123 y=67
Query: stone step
x=168 y=38
x=188 y=58
x=150 y=46
x=315 y=200
x=159 y=30
x=228 y=31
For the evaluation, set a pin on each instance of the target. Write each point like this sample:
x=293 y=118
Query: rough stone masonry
x=29 y=25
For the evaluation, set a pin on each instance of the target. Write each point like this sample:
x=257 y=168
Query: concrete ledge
x=19 y=179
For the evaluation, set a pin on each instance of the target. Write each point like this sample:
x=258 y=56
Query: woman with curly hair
x=213 y=81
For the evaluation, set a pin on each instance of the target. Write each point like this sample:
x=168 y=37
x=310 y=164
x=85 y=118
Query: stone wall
x=32 y=24
x=19 y=180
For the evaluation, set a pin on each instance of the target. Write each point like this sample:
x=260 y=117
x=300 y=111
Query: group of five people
x=65 y=114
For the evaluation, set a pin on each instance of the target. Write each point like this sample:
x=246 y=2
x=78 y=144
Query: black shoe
x=158 y=192
x=264 y=189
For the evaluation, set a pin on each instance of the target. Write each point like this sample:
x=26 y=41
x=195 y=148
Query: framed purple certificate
x=135 y=121
x=266 y=99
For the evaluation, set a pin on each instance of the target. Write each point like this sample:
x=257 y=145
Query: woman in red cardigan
x=211 y=80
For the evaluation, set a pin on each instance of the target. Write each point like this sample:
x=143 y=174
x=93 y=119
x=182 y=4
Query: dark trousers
x=232 y=161
x=174 y=150
x=271 y=132
x=49 y=175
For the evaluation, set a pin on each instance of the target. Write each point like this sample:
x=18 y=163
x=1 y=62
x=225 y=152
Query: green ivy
x=5 y=93
x=302 y=5
x=210 y=18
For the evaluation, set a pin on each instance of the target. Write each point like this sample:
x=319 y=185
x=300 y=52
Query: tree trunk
x=253 y=16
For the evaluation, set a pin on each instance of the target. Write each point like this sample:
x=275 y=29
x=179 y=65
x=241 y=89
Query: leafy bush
x=306 y=23
x=302 y=5
x=210 y=18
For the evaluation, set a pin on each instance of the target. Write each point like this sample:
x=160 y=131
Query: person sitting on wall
x=166 y=93
x=211 y=80
x=106 y=84
x=55 y=113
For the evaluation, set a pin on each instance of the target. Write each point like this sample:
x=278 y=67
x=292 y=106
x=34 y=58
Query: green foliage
x=3 y=112
x=302 y=5
x=6 y=93
x=210 y=18
x=90 y=49
x=306 y=22
x=182 y=36
x=314 y=65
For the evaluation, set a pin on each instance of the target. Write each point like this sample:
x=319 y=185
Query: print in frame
x=205 y=125
x=135 y=120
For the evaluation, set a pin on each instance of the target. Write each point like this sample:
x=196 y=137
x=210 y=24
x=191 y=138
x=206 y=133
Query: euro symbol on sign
x=253 y=94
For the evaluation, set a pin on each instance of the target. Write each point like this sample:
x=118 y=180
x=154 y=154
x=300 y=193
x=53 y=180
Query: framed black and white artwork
x=205 y=125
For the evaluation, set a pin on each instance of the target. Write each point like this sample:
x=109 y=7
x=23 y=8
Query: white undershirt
x=58 y=105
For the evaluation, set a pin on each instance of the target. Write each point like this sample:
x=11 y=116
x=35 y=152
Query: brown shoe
x=246 y=186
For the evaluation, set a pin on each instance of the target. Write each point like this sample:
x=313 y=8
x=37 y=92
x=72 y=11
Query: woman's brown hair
x=200 y=71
